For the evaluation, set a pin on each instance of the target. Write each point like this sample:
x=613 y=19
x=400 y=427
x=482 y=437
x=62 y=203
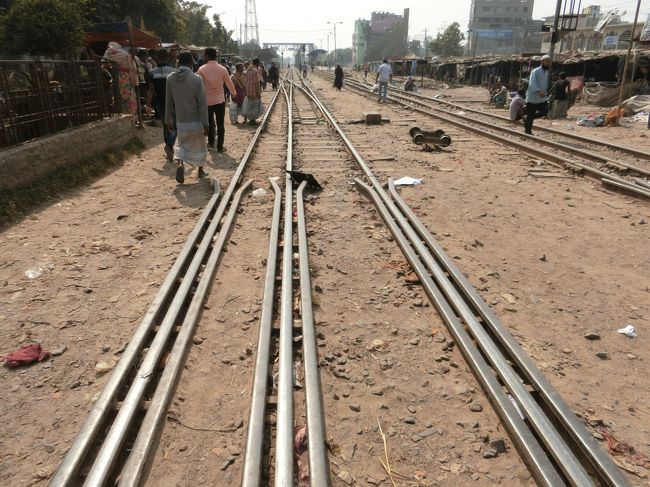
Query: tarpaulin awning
x=119 y=32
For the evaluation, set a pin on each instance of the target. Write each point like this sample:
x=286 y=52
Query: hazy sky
x=306 y=20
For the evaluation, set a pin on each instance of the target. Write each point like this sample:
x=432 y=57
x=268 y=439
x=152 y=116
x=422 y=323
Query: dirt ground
x=572 y=255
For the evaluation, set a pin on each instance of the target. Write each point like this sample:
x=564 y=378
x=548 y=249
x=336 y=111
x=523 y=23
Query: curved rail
x=459 y=312
x=465 y=124
x=165 y=311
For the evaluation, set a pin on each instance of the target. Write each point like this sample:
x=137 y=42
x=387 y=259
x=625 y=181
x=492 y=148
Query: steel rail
x=620 y=166
x=581 y=138
x=67 y=473
x=533 y=454
x=563 y=413
x=319 y=472
x=108 y=396
x=562 y=454
x=138 y=464
x=577 y=166
x=284 y=424
x=252 y=469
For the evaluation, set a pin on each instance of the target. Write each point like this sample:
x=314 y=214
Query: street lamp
x=336 y=54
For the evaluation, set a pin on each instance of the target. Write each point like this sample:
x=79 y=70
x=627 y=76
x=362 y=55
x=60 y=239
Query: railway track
x=119 y=438
x=563 y=150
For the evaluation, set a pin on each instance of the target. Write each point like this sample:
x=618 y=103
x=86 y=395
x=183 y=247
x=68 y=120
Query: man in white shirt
x=517 y=106
x=384 y=76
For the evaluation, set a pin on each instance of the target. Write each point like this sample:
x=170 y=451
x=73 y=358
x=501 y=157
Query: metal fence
x=39 y=98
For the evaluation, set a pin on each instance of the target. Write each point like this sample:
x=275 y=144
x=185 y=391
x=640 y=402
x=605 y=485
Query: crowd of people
x=190 y=96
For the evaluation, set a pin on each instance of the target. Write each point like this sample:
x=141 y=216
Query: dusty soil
x=490 y=215
x=102 y=251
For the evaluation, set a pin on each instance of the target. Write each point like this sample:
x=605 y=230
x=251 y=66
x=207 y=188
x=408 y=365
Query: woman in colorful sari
x=127 y=76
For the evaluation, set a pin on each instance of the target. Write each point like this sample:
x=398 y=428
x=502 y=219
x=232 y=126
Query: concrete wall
x=32 y=160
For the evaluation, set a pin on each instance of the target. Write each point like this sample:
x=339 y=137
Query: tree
x=415 y=47
x=222 y=37
x=196 y=29
x=160 y=16
x=44 y=27
x=340 y=56
x=448 y=43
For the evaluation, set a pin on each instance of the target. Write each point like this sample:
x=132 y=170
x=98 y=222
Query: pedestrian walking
x=366 y=68
x=186 y=110
x=214 y=77
x=274 y=76
x=264 y=75
x=560 y=104
x=239 y=81
x=253 y=107
x=384 y=76
x=156 y=99
x=304 y=70
x=338 y=77
x=536 y=104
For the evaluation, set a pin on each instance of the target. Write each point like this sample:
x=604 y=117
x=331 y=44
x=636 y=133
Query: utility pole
x=135 y=65
x=555 y=34
x=336 y=54
x=627 y=59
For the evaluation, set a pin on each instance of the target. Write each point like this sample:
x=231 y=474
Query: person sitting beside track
x=409 y=85
x=499 y=95
x=518 y=106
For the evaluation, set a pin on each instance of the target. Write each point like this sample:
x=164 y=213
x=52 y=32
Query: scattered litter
x=300 y=448
x=591 y=121
x=639 y=117
x=628 y=331
x=27 y=354
x=103 y=367
x=377 y=344
x=259 y=192
x=34 y=272
x=407 y=181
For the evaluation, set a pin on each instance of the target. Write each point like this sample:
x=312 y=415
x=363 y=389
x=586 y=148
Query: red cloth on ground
x=26 y=355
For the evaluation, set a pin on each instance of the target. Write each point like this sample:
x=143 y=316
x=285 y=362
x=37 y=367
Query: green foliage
x=43 y=27
x=222 y=37
x=340 y=56
x=160 y=16
x=415 y=47
x=448 y=43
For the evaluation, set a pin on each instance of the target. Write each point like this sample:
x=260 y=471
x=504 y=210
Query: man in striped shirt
x=252 y=83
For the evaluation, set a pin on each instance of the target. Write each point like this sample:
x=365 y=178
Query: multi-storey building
x=384 y=35
x=501 y=27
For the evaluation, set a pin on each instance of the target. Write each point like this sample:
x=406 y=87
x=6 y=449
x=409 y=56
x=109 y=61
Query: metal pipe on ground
x=137 y=467
x=252 y=470
x=284 y=431
x=319 y=472
x=599 y=459
x=534 y=456
x=66 y=474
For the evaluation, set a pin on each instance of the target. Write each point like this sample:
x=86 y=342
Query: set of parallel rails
x=119 y=436
x=630 y=177
x=553 y=442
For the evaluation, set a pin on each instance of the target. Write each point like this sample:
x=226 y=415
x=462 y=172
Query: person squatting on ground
x=536 y=104
x=239 y=95
x=156 y=98
x=499 y=95
x=253 y=107
x=186 y=110
x=409 y=85
x=214 y=77
x=518 y=106
x=384 y=76
x=560 y=104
